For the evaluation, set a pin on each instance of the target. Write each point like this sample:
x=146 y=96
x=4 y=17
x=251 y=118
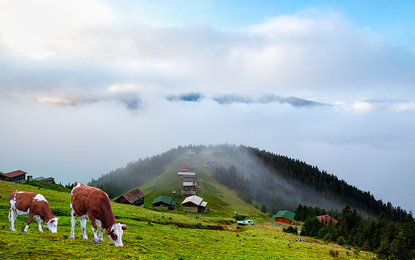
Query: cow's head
x=53 y=225
x=114 y=233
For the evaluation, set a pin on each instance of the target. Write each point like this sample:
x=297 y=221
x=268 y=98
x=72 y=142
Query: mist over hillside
x=260 y=177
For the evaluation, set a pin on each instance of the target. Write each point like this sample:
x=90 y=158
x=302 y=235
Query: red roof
x=14 y=174
x=327 y=219
x=133 y=196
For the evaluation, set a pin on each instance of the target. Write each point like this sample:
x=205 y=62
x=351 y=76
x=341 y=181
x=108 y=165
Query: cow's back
x=90 y=200
x=23 y=200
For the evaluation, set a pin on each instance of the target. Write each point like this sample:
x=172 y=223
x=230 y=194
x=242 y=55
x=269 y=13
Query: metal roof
x=193 y=199
x=133 y=196
x=186 y=173
x=164 y=199
x=203 y=204
x=284 y=214
x=14 y=173
x=189 y=183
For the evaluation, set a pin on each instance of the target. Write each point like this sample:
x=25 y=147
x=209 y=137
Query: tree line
x=388 y=239
x=328 y=185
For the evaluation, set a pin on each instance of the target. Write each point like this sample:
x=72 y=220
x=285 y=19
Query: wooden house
x=190 y=188
x=194 y=204
x=164 y=202
x=134 y=197
x=326 y=219
x=187 y=176
x=43 y=179
x=18 y=176
x=284 y=216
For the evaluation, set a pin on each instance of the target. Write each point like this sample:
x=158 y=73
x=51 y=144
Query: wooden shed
x=194 y=204
x=164 y=202
x=284 y=216
x=134 y=197
x=18 y=176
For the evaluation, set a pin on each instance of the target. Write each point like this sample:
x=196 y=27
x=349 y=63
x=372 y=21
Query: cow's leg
x=94 y=230
x=100 y=238
x=39 y=221
x=83 y=224
x=73 y=223
x=12 y=218
x=29 y=220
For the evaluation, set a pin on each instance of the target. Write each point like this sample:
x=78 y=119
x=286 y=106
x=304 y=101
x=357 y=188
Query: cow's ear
x=124 y=227
x=108 y=231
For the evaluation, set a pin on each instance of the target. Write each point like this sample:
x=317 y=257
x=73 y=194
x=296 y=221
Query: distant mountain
x=258 y=177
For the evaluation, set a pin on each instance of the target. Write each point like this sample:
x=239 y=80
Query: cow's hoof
x=72 y=237
x=96 y=242
x=12 y=230
x=85 y=238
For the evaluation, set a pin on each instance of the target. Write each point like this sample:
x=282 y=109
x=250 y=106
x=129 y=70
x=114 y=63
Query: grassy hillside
x=154 y=235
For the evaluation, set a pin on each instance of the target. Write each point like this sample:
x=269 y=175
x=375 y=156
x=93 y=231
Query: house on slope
x=18 y=176
x=194 y=204
x=189 y=188
x=187 y=176
x=326 y=219
x=284 y=216
x=134 y=197
x=164 y=202
x=43 y=179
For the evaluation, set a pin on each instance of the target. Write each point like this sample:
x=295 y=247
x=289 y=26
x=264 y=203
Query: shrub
x=291 y=230
x=341 y=241
x=334 y=253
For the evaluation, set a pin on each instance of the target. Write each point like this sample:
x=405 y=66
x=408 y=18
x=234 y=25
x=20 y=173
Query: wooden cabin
x=190 y=188
x=284 y=216
x=164 y=202
x=194 y=204
x=134 y=197
x=18 y=176
x=187 y=176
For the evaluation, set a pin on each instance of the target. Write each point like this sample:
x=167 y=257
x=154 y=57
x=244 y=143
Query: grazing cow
x=94 y=204
x=34 y=205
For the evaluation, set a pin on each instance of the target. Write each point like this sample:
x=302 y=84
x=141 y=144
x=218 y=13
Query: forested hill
x=136 y=173
x=262 y=177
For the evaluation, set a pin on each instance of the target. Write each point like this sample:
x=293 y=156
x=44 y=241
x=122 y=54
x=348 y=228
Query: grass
x=159 y=235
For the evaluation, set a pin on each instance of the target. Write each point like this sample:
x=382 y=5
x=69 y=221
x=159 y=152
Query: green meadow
x=155 y=235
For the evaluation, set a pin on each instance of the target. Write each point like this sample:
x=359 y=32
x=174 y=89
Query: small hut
x=194 y=204
x=164 y=202
x=18 y=176
x=284 y=216
x=134 y=197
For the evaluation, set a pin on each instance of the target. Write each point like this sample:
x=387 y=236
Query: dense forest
x=388 y=239
x=328 y=185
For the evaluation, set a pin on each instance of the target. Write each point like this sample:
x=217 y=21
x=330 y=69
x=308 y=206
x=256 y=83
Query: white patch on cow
x=13 y=203
x=77 y=185
x=39 y=197
x=117 y=230
x=22 y=212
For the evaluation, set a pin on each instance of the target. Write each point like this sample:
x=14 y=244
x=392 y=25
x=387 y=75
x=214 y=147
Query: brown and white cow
x=34 y=205
x=94 y=204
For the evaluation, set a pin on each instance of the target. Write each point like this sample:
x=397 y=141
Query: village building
x=187 y=176
x=18 y=176
x=164 y=202
x=43 y=179
x=134 y=197
x=189 y=188
x=284 y=216
x=326 y=219
x=194 y=204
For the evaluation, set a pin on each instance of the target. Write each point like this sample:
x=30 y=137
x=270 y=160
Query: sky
x=88 y=86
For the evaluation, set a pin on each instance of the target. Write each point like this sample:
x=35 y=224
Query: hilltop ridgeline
x=257 y=176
